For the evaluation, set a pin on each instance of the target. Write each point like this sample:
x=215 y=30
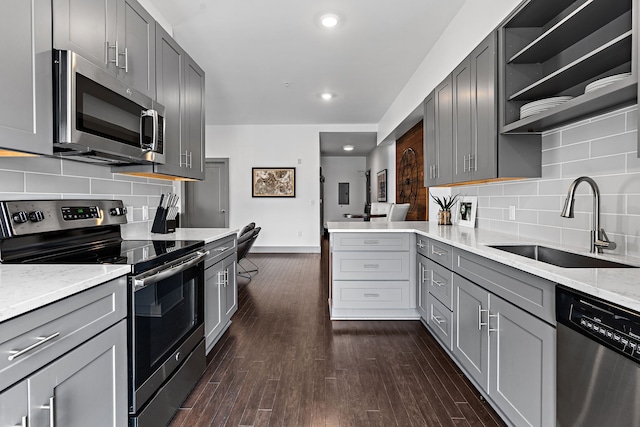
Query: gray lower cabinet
x=26 y=104
x=373 y=276
x=221 y=289
x=76 y=373
x=84 y=387
x=116 y=35
x=507 y=352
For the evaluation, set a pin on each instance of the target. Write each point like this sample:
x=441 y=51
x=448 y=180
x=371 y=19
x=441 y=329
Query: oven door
x=166 y=323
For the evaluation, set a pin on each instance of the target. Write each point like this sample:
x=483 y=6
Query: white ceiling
x=250 y=49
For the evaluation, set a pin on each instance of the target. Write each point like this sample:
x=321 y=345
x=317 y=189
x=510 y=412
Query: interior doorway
x=207 y=202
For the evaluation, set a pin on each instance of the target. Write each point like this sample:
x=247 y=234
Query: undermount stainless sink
x=559 y=257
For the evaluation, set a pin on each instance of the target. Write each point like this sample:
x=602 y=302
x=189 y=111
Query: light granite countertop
x=617 y=285
x=207 y=234
x=24 y=288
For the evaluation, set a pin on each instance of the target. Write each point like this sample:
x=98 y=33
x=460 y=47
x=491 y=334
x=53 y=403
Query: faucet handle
x=605 y=243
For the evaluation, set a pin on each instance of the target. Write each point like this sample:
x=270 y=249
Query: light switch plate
x=512 y=213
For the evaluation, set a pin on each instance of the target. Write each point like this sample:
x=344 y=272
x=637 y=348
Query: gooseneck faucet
x=599 y=239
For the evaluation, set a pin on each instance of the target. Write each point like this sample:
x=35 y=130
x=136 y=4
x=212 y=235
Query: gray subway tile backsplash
x=52 y=178
x=604 y=148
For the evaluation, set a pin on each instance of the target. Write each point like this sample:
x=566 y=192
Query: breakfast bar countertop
x=617 y=285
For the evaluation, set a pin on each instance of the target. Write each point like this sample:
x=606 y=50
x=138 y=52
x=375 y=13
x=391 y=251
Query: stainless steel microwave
x=100 y=119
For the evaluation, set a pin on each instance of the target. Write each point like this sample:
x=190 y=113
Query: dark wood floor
x=284 y=363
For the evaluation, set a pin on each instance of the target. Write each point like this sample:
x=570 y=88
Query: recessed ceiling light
x=347 y=147
x=329 y=20
x=327 y=96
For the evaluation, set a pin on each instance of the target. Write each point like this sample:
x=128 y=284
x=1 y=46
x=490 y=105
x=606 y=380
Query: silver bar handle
x=145 y=279
x=497 y=317
x=24 y=422
x=126 y=60
x=41 y=340
x=437 y=319
x=464 y=163
x=439 y=253
x=52 y=411
x=113 y=61
x=372 y=295
x=475 y=165
x=420 y=244
x=435 y=282
x=371 y=266
x=480 y=322
x=371 y=242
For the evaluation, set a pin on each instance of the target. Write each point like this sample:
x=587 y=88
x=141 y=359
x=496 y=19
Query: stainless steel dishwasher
x=598 y=366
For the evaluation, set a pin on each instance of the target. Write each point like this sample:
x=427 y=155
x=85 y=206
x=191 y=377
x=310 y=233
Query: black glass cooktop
x=141 y=254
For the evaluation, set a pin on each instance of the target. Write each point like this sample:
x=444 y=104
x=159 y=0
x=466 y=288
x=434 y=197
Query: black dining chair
x=246 y=228
x=245 y=243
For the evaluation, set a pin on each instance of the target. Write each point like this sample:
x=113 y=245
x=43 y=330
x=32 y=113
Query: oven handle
x=145 y=279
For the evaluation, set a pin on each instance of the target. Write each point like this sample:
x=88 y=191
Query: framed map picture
x=382 y=185
x=273 y=182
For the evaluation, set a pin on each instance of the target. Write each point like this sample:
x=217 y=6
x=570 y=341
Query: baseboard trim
x=286 y=249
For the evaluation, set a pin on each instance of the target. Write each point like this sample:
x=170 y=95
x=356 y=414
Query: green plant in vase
x=445 y=203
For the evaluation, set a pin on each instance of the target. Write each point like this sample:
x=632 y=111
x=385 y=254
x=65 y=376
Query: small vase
x=444 y=217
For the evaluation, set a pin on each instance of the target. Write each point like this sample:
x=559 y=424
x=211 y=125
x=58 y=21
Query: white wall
x=471 y=25
x=288 y=225
x=343 y=169
x=383 y=157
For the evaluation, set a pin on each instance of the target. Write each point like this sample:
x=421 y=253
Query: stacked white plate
x=599 y=84
x=541 y=105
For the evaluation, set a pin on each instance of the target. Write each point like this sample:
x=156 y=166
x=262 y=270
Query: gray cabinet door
x=136 y=45
x=89 y=28
x=194 y=119
x=230 y=285
x=444 y=131
x=462 y=135
x=85 y=387
x=471 y=342
x=26 y=104
x=429 y=140
x=484 y=119
x=14 y=406
x=422 y=280
x=522 y=365
x=213 y=300
x=170 y=66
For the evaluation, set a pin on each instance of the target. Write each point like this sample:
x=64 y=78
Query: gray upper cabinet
x=26 y=104
x=193 y=127
x=475 y=115
x=136 y=35
x=170 y=66
x=180 y=88
x=438 y=138
x=553 y=48
x=462 y=142
x=117 y=35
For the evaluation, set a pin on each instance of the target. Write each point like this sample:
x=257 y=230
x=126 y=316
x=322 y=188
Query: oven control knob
x=20 y=217
x=118 y=211
x=36 y=216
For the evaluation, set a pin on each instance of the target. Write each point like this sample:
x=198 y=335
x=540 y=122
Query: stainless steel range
x=166 y=306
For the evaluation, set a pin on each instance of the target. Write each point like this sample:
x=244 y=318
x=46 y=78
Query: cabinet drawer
x=441 y=284
x=531 y=293
x=362 y=294
x=219 y=250
x=422 y=245
x=371 y=266
x=440 y=321
x=441 y=253
x=370 y=242
x=66 y=324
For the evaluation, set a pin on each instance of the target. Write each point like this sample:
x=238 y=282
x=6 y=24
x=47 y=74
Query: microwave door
x=148 y=130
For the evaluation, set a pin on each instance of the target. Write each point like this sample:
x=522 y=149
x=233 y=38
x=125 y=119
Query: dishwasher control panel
x=613 y=326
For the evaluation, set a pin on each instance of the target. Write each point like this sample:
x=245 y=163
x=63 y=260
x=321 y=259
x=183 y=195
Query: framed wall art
x=382 y=185
x=467 y=207
x=273 y=182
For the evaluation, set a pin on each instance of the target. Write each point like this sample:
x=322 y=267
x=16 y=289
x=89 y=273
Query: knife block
x=161 y=224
